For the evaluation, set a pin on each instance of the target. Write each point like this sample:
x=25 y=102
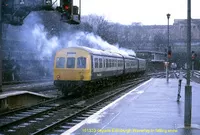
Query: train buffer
x=150 y=108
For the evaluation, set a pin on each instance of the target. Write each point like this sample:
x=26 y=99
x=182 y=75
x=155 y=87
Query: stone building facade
x=180 y=29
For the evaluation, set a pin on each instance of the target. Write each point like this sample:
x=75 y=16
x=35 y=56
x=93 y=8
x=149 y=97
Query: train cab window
x=81 y=62
x=60 y=62
x=96 y=62
x=100 y=63
x=70 y=62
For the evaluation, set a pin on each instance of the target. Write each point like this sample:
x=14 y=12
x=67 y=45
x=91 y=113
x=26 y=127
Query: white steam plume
x=38 y=40
x=94 y=41
x=44 y=46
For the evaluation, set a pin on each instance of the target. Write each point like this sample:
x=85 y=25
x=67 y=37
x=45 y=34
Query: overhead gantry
x=15 y=11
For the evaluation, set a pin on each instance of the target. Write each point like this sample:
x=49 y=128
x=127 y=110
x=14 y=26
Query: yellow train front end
x=72 y=69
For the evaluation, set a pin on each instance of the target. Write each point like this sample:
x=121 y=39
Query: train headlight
x=58 y=77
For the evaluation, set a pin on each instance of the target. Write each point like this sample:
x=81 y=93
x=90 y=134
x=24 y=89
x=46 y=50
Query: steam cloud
x=39 y=41
x=93 y=41
x=40 y=47
x=47 y=46
x=44 y=46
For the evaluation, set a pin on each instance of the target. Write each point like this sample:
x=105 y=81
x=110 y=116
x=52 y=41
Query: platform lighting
x=188 y=87
x=167 y=70
x=21 y=2
x=48 y=1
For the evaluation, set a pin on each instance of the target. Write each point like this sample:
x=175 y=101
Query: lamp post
x=167 y=70
x=188 y=87
x=1 y=45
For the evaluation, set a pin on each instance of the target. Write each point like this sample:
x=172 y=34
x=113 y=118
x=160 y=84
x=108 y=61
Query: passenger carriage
x=77 y=67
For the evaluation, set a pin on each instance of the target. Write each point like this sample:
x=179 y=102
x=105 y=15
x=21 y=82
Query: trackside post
x=179 y=85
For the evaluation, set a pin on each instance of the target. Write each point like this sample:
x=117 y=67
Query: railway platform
x=149 y=109
x=25 y=94
x=10 y=100
x=27 y=86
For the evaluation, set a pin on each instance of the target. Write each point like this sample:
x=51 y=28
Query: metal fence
x=196 y=74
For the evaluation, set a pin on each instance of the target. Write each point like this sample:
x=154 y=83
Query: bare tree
x=94 y=21
x=108 y=31
x=160 y=42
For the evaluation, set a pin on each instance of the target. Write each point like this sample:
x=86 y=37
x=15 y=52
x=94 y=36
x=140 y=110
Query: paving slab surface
x=149 y=109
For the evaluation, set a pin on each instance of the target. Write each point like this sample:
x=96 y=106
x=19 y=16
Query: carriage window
x=70 y=62
x=96 y=62
x=118 y=63
x=128 y=64
x=107 y=63
x=132 y=63
x=60 y=62
x=81 y=62
x=100 y=63
x=112 y=63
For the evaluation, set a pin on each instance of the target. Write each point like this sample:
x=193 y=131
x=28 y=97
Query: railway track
x=18 y=118
x=172 y=74
x=157 y=75
x=66 y=123
x=51 y=115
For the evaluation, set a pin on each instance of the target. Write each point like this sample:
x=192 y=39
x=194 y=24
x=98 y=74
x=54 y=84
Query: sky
x=148 y=12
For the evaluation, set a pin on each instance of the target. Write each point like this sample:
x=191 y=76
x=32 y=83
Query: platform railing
x=196 y=74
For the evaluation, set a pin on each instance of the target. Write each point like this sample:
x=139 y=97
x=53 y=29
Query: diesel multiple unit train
x=76 y=68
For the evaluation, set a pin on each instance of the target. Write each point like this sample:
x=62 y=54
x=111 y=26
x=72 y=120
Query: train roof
x=103 y=52
x=98 y=52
